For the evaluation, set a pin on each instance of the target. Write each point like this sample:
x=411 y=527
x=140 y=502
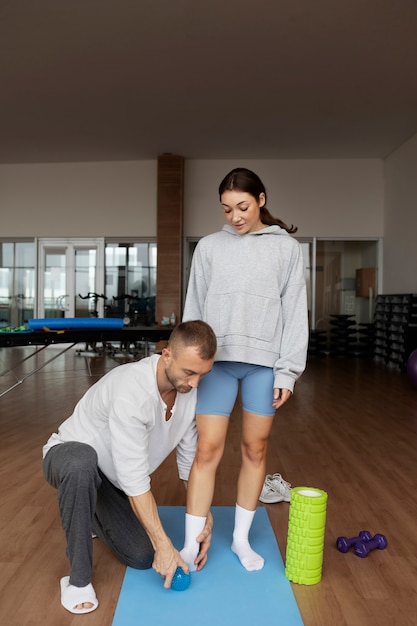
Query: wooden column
x=169 y=236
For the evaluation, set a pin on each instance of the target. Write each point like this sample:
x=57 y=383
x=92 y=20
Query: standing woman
x=247 y=281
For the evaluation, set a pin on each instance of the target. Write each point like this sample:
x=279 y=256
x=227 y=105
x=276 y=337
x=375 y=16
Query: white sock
x=193 y=527
x=240 y=546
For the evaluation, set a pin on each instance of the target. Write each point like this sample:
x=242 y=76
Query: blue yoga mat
x=61 y=323
x=223 y=593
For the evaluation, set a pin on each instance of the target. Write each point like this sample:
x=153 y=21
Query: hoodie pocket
x=249 y=316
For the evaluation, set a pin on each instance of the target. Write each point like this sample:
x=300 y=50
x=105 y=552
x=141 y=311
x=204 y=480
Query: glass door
x=130 y=281
x=17 y=282
x=71 y=278
x=340 y=263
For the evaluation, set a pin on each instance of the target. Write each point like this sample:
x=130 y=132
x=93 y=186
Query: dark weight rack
x=395 y=329
x=343 y=336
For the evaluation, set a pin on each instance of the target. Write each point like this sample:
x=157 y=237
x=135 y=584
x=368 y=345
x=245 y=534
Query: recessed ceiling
x=106 y=80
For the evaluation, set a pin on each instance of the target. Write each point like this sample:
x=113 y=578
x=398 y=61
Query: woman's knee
x=212 y=432
x=208 y=453
x=254 y=452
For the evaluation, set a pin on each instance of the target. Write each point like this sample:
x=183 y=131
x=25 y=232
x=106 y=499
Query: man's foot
x=78 y=600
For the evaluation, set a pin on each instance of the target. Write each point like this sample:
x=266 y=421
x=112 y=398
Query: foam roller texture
x=305 y=542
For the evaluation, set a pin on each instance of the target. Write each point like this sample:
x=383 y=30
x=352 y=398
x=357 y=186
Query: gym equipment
x=92 y=295
x=363 y=548
x=305 y=543
x=180 y=580
x=412 y=368
x=72 y=336
x=343 y=544
x=56 y=323
x=223 y=593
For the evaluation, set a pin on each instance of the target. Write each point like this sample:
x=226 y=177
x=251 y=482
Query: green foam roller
x=303 y=545
x=305 y=541
x=298 y=531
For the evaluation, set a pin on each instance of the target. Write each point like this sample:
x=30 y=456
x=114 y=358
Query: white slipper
x=71 y=596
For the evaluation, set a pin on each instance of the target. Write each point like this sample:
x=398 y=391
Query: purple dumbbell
x=363 y=548
x=343 y=544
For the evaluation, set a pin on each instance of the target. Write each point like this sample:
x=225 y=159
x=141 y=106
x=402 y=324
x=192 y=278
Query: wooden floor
x=350 y=429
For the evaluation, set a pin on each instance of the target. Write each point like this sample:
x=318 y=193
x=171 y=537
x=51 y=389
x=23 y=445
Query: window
x=130 y=281
x=17 y=282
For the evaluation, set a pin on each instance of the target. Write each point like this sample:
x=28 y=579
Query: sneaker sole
x=270 y=501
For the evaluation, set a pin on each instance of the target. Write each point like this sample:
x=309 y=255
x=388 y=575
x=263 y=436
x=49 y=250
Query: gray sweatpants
x=89 y=503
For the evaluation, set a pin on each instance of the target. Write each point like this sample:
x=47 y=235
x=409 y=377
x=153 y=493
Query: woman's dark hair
x=241 y=179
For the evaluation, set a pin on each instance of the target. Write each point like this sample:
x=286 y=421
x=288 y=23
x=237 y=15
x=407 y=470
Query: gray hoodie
x=251 y=290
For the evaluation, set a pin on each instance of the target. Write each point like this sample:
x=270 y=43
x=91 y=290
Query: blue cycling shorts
x=217 y=391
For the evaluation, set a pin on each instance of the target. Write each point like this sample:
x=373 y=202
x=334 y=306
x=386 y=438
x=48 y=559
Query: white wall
x=400 y=222
x=326 y=198
x=78 y=199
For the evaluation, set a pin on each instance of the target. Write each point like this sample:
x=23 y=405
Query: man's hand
x=166 y=561
x=280 y=397
x=166 y=557
x=204 y=539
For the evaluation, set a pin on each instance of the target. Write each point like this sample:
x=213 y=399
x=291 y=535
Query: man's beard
x=181 y=388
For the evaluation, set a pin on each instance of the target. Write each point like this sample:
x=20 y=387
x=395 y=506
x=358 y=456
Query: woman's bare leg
x=255 y=433
x=212 y=431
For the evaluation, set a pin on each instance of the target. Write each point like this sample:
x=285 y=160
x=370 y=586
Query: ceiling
x=107 y=80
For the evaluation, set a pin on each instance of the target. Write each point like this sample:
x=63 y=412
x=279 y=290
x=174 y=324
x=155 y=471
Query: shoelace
x=269 y=486
x=278 y=478
x=269 y=483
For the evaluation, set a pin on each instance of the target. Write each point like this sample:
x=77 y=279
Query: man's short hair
x=194 y=333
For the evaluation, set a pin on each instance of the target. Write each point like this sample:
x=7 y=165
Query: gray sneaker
x=275 y=489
